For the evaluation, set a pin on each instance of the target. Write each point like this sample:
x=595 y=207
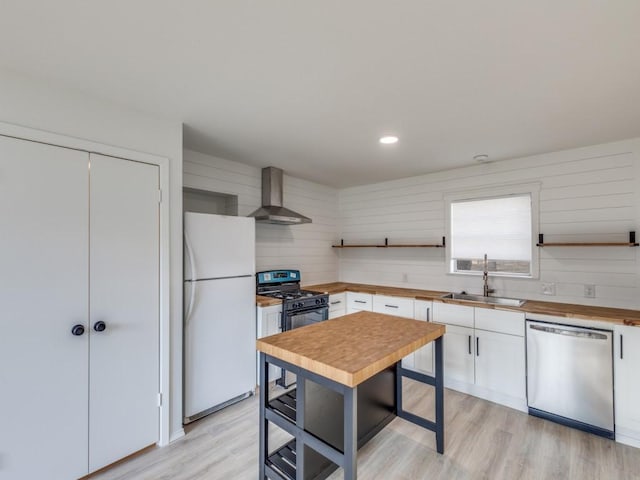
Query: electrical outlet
x=590 y=291
x=548 y=288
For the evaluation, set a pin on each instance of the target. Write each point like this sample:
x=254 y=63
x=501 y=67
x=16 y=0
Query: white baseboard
x=628 y=437
x=496 y=397
x=176 y=435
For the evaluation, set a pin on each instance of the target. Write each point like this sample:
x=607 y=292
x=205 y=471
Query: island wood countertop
x=352 y=348
x=586 y=312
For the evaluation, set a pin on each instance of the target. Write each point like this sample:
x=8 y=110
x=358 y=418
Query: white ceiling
x=309 y=86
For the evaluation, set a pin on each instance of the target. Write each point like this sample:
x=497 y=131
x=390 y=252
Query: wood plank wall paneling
x=305 y=247
x=587 y=194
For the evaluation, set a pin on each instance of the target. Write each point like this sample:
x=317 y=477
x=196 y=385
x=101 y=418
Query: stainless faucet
x=485 y=278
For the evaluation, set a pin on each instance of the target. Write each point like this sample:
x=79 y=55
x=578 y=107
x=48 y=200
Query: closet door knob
x=100 y=326
x=77 y=330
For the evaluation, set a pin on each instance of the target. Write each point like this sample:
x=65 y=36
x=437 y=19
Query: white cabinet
x=269 y=323
x=627 y=388
x=398 y=306
x=453 y=314
x=503 y=321
x=422 y=359
x=500 y=363
x=458 y=342
x=484 y=352
x=459 y=355
x=337 y=304
x=79 y=246
x=357 y=302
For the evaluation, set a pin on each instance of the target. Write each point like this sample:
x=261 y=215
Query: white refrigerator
x=220 y=312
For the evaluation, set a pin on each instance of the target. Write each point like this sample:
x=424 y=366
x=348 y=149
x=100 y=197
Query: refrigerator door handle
x=192 y=293
x=192 y=261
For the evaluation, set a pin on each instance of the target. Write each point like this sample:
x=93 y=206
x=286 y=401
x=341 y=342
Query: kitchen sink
x=510 y=302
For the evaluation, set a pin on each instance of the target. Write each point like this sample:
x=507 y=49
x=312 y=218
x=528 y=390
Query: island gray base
x=324 y=418
x=325 y=441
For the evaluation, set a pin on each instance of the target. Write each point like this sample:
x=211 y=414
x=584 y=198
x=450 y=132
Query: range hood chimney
x=272 y=210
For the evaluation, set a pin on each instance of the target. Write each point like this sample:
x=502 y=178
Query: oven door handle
x=307 y=310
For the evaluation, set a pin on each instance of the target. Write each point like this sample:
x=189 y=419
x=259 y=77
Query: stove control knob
x=317 y=301
x=323 y=300
x=300 y=305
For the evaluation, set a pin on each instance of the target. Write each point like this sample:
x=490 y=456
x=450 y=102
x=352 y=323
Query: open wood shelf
x=631 y=243
x=388 y=245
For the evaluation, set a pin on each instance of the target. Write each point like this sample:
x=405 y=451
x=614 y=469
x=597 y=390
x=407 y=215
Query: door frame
x=54 y=139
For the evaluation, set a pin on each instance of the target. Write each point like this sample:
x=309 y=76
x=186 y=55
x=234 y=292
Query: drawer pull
x=392 y=306
x=336 y=302
x=360 y=301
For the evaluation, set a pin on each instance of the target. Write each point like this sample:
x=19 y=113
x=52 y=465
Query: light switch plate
x=590 y=291
x=548 y=288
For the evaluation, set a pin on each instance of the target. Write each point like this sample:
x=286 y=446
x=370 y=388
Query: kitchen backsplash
x=304 y=247
x=586 y=194
x=590 y=192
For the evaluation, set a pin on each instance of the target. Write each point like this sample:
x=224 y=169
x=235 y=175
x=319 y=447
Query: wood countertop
x=586 y=312
x=339 y=287
x=352 y=348
x=262 y=301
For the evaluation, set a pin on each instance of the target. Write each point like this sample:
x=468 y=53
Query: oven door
x=305 y=317
x=299 y=319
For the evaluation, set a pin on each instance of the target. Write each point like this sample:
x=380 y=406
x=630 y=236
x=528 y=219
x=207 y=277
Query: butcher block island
x=349 y=386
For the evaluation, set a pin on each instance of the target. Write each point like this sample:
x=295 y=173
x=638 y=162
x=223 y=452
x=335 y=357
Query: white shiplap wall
x=586 y=194
x=305 y=247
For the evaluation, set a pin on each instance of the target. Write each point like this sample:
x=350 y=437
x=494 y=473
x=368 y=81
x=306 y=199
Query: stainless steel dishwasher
x=570 y=376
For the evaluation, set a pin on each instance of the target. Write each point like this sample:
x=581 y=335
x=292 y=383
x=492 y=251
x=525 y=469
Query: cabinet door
x=422 y=359
x=44 y=255
x=124 y=281
x=458 y=354
x=269 y=319
x=627 y=387
x=500 y=363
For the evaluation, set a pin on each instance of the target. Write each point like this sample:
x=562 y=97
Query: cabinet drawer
x=359 y=301
x=500 y=321
x=337 y=301
x=337 y=305
x=453 y=314
x=399 y=306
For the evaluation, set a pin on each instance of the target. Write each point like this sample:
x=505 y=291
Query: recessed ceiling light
x=481 y=158
x=388 y=139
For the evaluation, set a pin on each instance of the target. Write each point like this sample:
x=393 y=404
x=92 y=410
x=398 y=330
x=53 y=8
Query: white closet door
x=43 y=294
x=124 y=282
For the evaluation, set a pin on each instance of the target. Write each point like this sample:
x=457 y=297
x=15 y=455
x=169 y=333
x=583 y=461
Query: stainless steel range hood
x=272 y=210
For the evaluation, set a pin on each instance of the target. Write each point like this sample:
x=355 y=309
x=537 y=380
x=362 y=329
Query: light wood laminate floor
x=482 y=441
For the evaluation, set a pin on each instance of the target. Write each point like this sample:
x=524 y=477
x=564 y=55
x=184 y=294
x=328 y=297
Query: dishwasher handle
x=570 y=333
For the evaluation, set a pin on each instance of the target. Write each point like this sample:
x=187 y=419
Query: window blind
x=499 y=227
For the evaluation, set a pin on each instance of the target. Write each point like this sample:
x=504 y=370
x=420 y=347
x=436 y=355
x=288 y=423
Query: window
x=499 y=227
